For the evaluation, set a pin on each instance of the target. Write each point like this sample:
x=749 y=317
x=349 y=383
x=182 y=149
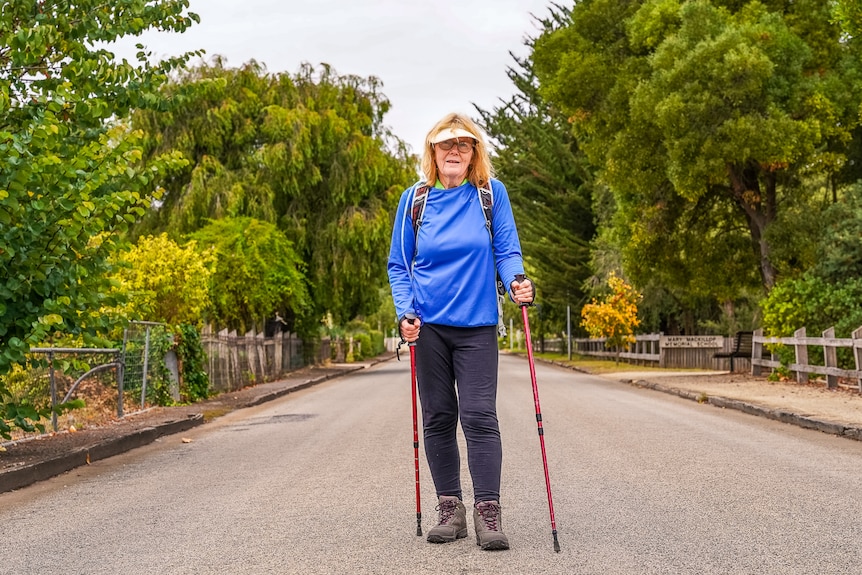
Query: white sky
x=433 y=57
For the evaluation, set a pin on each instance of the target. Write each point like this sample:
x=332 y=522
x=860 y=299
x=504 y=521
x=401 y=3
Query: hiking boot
x=489 y=526
x=453 y=521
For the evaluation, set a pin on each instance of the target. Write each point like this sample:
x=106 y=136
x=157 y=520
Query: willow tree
x=307 y=152
x=256 y=274
x=706 y=119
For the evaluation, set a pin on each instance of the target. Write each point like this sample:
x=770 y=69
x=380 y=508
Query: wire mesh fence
x=145 y=372
x=57 y=375
x=151 y=374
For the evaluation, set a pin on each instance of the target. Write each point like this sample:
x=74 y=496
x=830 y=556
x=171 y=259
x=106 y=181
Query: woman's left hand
x=522 y=292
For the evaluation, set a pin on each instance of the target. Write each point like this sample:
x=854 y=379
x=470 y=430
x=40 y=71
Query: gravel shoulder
x=842 y=405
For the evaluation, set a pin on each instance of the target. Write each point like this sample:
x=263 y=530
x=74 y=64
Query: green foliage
x=306 y=152
x=362 y=346
x=22 y=387
x=384 y=319
x=165 y=282
x=849 y=14
x=706 y=120
x=24 y=407
x=828 y=293
x=367 y=342
x=839 y=251
x=813 y=303
x=70 y=172
x=550 y=188
x=195 y=381
x=159 y=376
x=257 y=274
x=378 y=342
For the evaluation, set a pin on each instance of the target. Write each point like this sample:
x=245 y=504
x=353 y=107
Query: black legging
x=446 y=356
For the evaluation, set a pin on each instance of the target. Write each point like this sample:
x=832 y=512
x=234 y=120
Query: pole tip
x=418 y=531
x=556 y=543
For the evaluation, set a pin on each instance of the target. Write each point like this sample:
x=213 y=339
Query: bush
x=815 y=304
x=378 y=342
x=362 y=346
x=190 y=351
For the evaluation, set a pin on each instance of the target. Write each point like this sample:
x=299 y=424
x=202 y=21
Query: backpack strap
x=486 y=200
x=420 y=198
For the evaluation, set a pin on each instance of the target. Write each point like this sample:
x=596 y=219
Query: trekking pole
x=412 y=346
x=519 y=278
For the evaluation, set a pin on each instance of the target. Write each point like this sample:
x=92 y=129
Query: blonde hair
x=480 y=170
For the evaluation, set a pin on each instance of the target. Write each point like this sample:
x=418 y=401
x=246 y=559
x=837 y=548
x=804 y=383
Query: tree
x=615 y=317
x=257 y=274
x=849 y=14
x=70 y=173
x=828 y=293
x=550 y=185
x=165 y=282
x=705 y=115
x=307 y=152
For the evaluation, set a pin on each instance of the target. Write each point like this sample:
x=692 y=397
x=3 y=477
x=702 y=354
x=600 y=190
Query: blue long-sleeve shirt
x=453 y=276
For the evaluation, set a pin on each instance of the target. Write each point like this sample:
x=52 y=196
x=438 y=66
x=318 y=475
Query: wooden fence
x=664 y=351
x=236 y=361
x=698 y=352
x=800 y=344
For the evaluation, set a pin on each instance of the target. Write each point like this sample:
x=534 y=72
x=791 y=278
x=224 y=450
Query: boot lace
x=447 y=511
x=490 y=513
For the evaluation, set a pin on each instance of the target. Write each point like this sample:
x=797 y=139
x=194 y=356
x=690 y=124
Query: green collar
x=439 y=185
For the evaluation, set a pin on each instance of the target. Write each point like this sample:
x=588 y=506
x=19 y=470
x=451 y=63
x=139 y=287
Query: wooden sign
x=691 y=341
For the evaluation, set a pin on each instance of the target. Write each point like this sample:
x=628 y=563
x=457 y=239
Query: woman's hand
x=410 y=329
x=523 y=291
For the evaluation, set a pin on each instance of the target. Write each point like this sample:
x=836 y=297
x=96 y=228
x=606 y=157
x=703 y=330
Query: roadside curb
x=753 y=409
x=781 y=415
x=29 y=474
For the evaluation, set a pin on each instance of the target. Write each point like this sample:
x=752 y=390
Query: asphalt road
x=321 y=481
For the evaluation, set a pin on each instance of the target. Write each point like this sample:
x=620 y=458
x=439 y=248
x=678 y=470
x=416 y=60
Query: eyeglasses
x=463 y=147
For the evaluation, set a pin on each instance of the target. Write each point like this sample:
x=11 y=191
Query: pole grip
x=411 y=319
x=519 y=278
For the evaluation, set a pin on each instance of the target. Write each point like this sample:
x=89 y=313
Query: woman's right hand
x=410 y=329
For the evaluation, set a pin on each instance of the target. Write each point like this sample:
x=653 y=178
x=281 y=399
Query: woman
x=442 y=270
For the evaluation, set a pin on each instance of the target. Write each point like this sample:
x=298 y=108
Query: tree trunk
x=759 y=208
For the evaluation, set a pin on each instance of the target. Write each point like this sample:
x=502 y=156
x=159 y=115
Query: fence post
x=146 y=367
x=260 y=344
x=225 y=356
x=277 y=359
x=121 y=382
x=53 y=383
x=236 y=369
x=857 y=353
x=830 y=357
x=250 y=357
x=756 y=352
x=801 y=355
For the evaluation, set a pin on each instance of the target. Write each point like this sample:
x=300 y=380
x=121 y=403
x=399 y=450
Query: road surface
x=321 y=482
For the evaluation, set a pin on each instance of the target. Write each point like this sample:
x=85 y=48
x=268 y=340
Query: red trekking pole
x=412 y=346
x=519 y=278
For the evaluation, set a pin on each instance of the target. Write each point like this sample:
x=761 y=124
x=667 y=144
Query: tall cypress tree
x=549 y=184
